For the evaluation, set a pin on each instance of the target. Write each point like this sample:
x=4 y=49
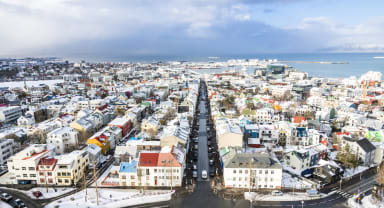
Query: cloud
x=119 y=27
x=336 y=37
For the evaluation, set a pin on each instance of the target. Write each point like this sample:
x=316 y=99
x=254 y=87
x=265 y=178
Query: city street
x=203 y=148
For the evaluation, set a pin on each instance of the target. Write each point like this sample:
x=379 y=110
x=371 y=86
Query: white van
x=204 y=174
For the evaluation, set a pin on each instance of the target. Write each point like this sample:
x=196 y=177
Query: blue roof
x=126 y=167
x=136 y=138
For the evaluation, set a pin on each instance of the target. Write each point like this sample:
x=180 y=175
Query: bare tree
x=380 y=178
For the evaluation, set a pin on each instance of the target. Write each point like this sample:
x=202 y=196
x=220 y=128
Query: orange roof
x=164 y=159
x=298 y=119
x=35 y=154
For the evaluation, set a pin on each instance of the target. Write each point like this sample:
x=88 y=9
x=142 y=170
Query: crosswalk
x=344 y=194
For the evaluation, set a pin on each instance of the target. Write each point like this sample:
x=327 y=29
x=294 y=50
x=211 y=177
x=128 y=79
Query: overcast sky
x=70 y=28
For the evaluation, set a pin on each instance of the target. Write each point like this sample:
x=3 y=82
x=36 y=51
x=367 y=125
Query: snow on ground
x=288 y=181
x=111 y=198
x=291 y=196
x=46 y=195
x=366 y=202
x=350 y=171
x=20 y=84
x=104 y=178
x=4 y=205
x=291 y=170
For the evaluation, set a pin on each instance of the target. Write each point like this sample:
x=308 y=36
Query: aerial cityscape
x=187 y=103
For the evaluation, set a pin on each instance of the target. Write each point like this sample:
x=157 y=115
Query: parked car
x=194 y=167
x=204 y=174
x=212 y=172
x=277 y=193
x=211 y=162
x=195 y=155
x=196 y=146
x=37 y=194
x=194 y=174
x=19 y=203
x=5 y=197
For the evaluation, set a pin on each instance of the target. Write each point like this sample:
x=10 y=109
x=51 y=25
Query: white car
x=277 y=193
x=204 y=174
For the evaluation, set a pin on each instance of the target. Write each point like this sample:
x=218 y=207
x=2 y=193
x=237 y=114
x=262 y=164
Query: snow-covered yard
x=366 y=202
x=351 y=172
x=20 y=84
x=292 y=196
x=288 y=181
x=46 y=195
x=111 y=198
x=4 y=205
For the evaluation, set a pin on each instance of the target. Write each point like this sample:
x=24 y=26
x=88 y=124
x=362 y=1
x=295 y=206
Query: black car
x=212 y=173
x=19 y=203
x=195 y=156
x=211 y=162
x=209 y=143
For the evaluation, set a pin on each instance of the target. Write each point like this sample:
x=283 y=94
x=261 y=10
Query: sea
x=356 y=63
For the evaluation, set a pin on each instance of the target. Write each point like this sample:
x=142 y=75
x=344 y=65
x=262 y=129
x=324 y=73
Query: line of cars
x=17 y=203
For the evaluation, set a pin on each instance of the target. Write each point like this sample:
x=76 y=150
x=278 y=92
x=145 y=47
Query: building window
x=50 y=180
x=41 y=173
x=66 y=181
x=42 y=180
x=25 y=175
x=234 y=178
x=272 y=172
x=59 y=180
x=49 y=173
x=266 y=171
x=58 y=174
x=260 y=171
x=32 y=175
x=246 y=171
x=240 y=171
x=31 y=168
x=234 y=171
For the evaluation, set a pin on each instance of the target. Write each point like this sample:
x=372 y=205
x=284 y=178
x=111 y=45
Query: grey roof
x=242 y=160
x=366 y=145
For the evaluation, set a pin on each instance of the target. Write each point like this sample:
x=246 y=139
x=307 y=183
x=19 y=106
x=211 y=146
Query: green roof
x=374 y=136
x=248 y=111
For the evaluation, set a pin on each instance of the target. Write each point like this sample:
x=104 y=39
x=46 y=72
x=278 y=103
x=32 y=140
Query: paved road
x=16 y=194
x=203 y=163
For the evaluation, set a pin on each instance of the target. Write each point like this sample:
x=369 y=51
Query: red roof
x=35 y=154
x=47 y=161
x=342 y=133
x=148 y=159
x=298 y=119
x=102 y=107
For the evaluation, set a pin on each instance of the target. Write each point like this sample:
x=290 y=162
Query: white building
x=256 y=170
x=64 y=139
x=10 y=114
x=163 y=168
x=22 y=166
x=71 y=167
x=7 y=149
